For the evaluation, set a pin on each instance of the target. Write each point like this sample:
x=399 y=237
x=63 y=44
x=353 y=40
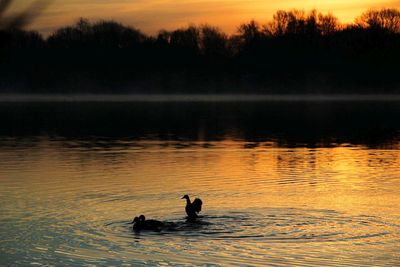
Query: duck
x=192 y=208
x=140 y=223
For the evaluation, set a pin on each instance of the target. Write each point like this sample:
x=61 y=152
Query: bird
x=192 y=208
x=140 y=223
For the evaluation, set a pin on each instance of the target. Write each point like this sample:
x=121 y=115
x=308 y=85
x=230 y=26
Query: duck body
x=140 y=223
x=192 y=208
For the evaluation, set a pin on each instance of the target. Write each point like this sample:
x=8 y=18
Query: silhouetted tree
x=77 y=36
x=186 y=39
x=297 y=22
x=327 y=24
x=295 y=48
x=110 y=34
x=213 y=42
x=384 y=19
x=163 y=37
x=250 y=32
x=251 y=39
x=15 y=39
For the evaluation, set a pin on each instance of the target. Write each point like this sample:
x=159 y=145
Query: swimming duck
x=192 y=208
x=140 y=223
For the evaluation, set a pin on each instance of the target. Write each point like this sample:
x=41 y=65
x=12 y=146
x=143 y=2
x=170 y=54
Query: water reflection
x=285 y=124
x=270 y=197
x=67 y=202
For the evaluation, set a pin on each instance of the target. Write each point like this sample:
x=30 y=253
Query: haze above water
x=283 y=184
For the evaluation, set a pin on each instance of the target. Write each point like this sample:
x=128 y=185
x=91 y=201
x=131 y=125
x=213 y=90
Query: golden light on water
x=262 y=203
x=154 y=15
x=341 y=178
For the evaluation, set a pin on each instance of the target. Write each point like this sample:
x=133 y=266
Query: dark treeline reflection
x=295 y=52
x=287 y=124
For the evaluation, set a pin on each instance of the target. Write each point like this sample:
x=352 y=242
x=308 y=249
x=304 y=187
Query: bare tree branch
x=23 y=18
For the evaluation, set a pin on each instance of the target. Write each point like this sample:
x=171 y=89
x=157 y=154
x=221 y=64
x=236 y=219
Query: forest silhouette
x=296 y=52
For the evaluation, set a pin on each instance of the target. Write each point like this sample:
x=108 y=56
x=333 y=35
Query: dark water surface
x=285 y=123
x=283 y=184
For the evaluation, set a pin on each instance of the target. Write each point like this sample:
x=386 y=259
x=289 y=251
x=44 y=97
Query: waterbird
x=192 y=208
x=140 y=223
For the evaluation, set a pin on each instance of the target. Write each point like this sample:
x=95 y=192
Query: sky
x=153 y=15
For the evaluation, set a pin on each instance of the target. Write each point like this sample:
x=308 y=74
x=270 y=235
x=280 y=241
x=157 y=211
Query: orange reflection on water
x=228 y=173
x=308 y=206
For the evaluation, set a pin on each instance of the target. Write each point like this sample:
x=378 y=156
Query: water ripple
x=67 y=202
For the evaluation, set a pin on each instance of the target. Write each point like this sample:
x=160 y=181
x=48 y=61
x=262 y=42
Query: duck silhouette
x=192 y=208
x=140 y=223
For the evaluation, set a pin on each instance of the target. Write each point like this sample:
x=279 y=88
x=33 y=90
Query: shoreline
x=21 y=98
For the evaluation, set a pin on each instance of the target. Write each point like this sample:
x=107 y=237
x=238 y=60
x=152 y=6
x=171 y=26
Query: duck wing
x=196 y=205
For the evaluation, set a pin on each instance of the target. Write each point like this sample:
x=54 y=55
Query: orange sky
x=152 y=15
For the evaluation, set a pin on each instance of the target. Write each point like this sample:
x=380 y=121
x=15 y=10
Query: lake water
x=282 y=184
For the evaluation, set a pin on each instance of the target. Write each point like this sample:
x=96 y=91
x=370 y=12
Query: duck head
x=142 y=218
x=185 y=196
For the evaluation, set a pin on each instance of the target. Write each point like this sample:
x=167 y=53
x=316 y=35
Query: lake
x=282 y=184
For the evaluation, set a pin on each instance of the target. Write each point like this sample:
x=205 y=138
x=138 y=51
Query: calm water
x=282 y=184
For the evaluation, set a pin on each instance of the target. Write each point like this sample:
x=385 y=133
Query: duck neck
x=187 y=201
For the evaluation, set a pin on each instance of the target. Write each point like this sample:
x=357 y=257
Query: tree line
x=296 y=51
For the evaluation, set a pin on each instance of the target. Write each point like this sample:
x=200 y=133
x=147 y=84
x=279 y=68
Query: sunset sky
x=152 y=15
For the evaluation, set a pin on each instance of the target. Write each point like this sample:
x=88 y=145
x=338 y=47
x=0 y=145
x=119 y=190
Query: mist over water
x=283 y=184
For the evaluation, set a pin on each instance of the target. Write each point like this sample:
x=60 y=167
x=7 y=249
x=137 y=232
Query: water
x=282 y=184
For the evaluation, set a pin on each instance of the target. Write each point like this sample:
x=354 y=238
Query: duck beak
x=183 y=197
